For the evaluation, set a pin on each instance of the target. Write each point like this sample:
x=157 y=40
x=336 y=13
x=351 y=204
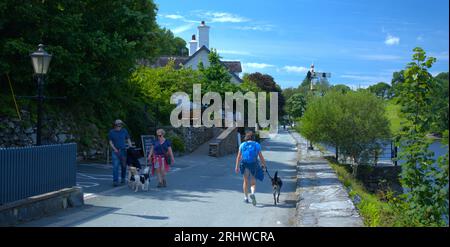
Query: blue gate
x=30 y=171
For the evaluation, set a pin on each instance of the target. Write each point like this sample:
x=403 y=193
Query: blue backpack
x=249 y=152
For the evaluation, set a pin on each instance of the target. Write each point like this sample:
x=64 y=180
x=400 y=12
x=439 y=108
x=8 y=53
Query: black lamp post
x=41 y=61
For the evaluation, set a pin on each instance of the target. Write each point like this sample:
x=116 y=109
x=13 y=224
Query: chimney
x=193 y=45
x=203 y=35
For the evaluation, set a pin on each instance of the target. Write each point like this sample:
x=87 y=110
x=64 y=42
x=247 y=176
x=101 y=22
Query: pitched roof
x=163 y=61
x=233 y=66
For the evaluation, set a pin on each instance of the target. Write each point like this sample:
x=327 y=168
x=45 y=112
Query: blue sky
x=359 y=42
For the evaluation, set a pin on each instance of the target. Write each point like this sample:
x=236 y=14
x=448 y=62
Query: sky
x=359 y=42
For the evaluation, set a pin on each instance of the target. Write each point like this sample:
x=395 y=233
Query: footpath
x=322 y=199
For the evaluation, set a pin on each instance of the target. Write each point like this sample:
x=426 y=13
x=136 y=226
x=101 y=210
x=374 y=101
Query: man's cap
x=118 y=122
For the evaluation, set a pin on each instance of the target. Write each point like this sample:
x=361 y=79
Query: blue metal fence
x=30 y=171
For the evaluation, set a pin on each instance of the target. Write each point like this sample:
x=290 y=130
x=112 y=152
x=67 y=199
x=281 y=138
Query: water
x=385 y=157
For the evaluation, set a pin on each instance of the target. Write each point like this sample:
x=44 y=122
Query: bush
x=177 y=144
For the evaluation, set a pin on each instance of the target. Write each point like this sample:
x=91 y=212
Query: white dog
x=132 y=171
x=141 y=181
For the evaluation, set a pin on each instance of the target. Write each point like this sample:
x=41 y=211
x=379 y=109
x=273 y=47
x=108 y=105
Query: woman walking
x=247 y=163
x=161 y=152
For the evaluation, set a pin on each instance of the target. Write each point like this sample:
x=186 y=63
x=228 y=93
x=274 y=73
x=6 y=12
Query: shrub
x=177 y=144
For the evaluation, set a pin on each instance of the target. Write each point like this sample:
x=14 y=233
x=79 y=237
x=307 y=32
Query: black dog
x=276 y=186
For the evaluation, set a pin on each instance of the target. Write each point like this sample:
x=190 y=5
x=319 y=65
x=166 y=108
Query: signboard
x=147 y=143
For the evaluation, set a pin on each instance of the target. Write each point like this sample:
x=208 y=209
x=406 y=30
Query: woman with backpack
x=162 y=154
x=247 y=163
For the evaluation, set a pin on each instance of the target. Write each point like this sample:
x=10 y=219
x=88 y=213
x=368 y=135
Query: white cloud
x=234 y=52
x=182 y=29
x=173 y=17
x=258 y=65
x=225 y=17
x=392 y=40
x=365 y=78
x=380 y=57
x=420 y=38
x=264 y=28
x=295 y=69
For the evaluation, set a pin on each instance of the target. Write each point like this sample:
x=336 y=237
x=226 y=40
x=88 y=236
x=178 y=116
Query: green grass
x=394 y=116
x=375 y=212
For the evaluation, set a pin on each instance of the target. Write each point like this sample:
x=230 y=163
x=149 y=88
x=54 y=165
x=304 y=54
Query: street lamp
x=41 y=61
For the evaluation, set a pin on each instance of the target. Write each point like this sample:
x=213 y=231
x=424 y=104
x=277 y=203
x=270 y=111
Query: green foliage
x=266 y=83
x=155 y=86
x=95 y=46
x=394 y=115
x=168 y=44
x=427 y=184
x=341 y=88
x=353 y=122
x=177 y=144
x=296 y=105
x=382 y=90
x=375 y=211
x=216 y=74
x=440 y=104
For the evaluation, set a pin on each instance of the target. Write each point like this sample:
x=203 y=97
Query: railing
x=386 y=154
x=30 y=171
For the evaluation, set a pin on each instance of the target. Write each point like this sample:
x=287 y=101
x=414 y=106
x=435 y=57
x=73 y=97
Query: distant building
x=198 y=52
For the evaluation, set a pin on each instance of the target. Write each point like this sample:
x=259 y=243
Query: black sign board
x=147 y=142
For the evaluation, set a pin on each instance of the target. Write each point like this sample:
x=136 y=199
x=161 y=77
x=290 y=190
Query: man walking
x=117 y=137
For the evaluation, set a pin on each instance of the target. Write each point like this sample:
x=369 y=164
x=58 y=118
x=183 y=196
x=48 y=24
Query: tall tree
x=267 y=84
x=382 y=90
x=426 y=183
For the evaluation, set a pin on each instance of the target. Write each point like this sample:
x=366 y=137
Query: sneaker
x=160 y=185
x=115 y=184
x=246 y=200
x=252 y=196
x=164 y=183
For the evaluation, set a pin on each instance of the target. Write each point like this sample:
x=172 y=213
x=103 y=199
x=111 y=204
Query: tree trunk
x=337 y=154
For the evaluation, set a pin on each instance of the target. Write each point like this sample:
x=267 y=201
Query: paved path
x=202 y=191
x=323 y=201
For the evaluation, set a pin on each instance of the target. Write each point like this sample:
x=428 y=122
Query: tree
x=341 y=88
x=267 y=84
x=169 y=45
x=216 y=77
x=382 y=90
x=397 y=79
x=425 y=181
x=95 y=46
x=440 y=105
x=296 y=105
x=353 y=123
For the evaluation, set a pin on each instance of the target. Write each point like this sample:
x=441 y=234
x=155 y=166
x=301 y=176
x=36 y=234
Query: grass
x=375 y=211
x=393 y=114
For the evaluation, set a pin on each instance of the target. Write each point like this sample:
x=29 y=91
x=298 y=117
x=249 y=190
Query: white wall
x=202 y=56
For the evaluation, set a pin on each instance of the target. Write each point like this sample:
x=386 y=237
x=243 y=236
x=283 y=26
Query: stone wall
x=192 y=137
x=226 y=143
x=15 y=132
x=36 y=207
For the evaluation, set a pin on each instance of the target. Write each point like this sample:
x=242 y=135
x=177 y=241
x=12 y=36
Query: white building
x=198 y=52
